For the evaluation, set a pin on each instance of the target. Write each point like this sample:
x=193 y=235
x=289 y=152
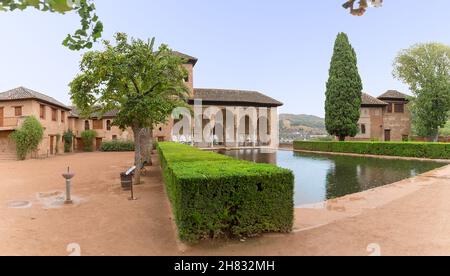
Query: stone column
x=274 y=128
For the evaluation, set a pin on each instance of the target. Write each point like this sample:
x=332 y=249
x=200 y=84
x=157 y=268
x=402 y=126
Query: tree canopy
x=426 y=69
x=28 y=137
x=344 y=91
x=142 y=84
x=362 y=6
x=91 y=28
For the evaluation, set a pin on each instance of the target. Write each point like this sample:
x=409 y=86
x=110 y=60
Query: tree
x=88 y=138
x=426 y=69
x=144 y=85
x=344 y=91
x=91 y=28
x=363 y=5
x=28 y=137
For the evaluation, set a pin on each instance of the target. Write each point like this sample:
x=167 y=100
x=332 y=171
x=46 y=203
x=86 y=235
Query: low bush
x=28 y=137
x=117 y=146
x=401 y=149
x=68 y=141
x=214 y=196
x=88 y=137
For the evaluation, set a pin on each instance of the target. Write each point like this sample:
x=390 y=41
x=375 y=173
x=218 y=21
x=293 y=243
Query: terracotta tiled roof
x=234 y=96
x=189 y=58
x=393 y=94
x=22 y=93
x=369 y=100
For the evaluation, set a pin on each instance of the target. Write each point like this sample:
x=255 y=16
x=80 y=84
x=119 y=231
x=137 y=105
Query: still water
x=319 y=177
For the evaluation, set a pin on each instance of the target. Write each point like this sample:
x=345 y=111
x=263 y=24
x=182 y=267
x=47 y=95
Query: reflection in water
x=321 y=177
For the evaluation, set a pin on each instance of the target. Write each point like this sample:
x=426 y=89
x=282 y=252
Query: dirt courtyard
x=408 y=218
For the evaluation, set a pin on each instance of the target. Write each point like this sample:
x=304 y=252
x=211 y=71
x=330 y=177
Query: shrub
x=88 y=137
x=68 y=140
x=117 y=146
x=402 y=149
x=214 y=196
x=28 y=137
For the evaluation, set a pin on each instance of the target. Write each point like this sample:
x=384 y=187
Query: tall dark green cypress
x=344 y=91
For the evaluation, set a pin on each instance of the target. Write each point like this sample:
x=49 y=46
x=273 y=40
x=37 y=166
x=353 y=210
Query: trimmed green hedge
x=215 y=196
x=402 y=149
x=117 y=146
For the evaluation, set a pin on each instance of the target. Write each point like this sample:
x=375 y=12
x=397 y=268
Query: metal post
x=68 y=197
x=68 y=176
x=132 y=193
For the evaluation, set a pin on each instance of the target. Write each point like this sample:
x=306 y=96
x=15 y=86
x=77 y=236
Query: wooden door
x=80 y=146
x=387 y=135
x=98 y=143
x=1 y=116
x=52 y=145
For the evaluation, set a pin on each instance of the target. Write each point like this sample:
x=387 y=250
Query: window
x=363 y=129
x=97 y=124
x=42 y=111
x=86 y=125
x=114 y=137
x=389 y=108
x=108 y=125
x=18 y=111
x=399 y=108
x=54 y=114
x=63 y=117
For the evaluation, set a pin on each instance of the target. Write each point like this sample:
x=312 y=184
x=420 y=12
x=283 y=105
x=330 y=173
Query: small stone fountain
x=68 y=176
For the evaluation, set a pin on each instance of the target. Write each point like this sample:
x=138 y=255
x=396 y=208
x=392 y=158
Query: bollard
x=68 y=176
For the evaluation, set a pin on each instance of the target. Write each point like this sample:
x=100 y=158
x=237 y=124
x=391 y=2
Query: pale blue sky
x=281 y=48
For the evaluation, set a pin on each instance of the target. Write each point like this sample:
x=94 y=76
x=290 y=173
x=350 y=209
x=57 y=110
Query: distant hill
x=304 y=120
x=300 y=127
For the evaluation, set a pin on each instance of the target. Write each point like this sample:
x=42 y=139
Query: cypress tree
x=344 y=91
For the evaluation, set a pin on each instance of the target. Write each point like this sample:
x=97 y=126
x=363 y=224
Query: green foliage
x=426 y=69
x=91 y=28
x=401 y=149
x=445 y=131
x=117 y=146
x=344 y=91
x=324 y=139
x=214 y=196
x=28 y=137
x=68 y=141
x=88 y=137
x=143 y=84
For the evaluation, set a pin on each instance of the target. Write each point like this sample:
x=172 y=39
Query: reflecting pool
x=319 y=177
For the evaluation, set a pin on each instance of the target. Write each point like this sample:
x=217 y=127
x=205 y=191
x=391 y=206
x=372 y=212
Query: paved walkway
x=411 y=217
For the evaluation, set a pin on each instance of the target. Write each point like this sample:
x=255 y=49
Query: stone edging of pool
x=313 y=216
x=374 y=156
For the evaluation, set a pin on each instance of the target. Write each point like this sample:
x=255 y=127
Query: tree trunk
x=137 y=154
x=342 y=138
x=435 y=137
x=146 y=147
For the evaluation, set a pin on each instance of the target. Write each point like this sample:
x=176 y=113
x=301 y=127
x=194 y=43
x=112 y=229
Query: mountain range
x=300 y=127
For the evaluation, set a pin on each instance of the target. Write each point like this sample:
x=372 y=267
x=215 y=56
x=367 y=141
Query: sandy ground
x=411 y=217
